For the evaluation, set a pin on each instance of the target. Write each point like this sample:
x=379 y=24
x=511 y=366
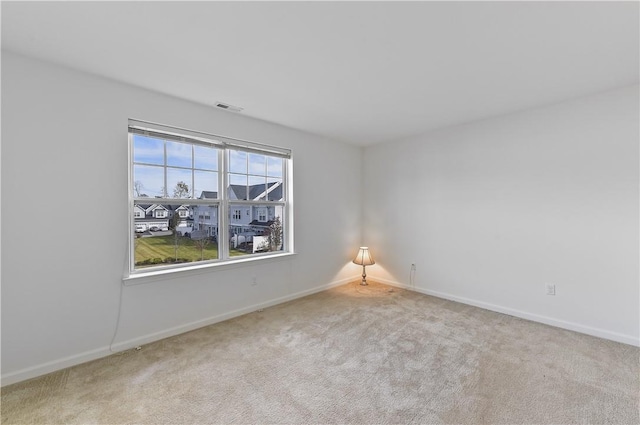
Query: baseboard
x=55 y=365
x=572 y=326
x=177 y=330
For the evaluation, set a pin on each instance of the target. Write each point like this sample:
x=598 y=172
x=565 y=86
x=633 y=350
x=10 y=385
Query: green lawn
x=156 y=250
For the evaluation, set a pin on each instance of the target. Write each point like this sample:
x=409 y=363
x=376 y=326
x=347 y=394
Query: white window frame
x=223 y=203
x=262 y=213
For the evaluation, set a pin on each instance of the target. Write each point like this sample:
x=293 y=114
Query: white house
x=159 y=215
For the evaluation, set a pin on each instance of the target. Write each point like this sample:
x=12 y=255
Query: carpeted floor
x=358 y=355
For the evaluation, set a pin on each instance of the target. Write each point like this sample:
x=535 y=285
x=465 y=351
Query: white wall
x=64 y=142
x=491 y=211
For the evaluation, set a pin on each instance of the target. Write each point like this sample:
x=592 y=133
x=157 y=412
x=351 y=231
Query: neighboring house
x=158 y=211
x=159 y=215
x=205 y=217
x=244 y=219
x=139 y=212
x=183 y=212
x=254 y=218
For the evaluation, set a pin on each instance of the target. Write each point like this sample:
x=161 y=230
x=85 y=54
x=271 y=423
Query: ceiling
x=358 y=72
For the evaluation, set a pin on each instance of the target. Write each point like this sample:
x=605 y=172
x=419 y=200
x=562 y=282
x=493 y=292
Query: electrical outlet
x=413 y=267
x=551 y=289
x=254 y=281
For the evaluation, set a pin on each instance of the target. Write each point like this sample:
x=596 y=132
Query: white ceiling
x=360 y=72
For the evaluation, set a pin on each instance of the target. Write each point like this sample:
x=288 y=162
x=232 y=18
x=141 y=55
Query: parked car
x=184 y=230
x=141 y=228
x=154 y=229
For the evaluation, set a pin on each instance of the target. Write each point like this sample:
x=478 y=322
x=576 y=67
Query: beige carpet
x=360 y=355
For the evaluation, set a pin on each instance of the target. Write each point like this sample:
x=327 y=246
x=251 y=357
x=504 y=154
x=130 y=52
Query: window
x=262 y=214
x=256 y=185
x=223 y=180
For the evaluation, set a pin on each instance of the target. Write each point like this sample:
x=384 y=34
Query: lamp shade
x=364 y=257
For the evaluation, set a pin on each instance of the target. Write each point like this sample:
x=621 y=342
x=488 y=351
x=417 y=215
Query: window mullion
x=223 y=179
x=193 y=172
x=166 y=190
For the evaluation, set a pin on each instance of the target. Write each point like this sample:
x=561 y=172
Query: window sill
x=175 y=273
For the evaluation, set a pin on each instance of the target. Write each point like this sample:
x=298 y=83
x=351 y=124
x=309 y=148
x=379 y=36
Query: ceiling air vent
x=228 y=107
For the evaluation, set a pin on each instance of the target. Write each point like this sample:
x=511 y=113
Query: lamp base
x=364 y=276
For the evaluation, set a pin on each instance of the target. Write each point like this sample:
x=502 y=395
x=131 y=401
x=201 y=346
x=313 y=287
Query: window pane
x=275 y=191
x=179 y=183
x=237 y=186
x=205 y=158
x=238 y=162
x=169 y=234
x=205 y=185
x=205 y=231
x=257 y=188
x=179 y=154
x=257 y=164
x=274 y=166
x=148 y=150
x=255 y=228
x=148 y=181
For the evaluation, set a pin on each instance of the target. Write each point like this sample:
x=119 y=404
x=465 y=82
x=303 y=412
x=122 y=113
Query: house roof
x=261 y=223
x=206 y=194
x=237 y=191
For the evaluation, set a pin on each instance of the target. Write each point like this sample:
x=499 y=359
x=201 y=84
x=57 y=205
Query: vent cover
x=228 y=107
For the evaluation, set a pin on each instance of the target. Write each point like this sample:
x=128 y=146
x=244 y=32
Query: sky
x=197 y=166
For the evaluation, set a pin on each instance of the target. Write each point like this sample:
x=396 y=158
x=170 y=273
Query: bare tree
x=181 y=190
x=201 y=240
x=137 y=187
x=174 y=221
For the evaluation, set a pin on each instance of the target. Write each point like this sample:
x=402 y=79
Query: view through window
x=179 y=213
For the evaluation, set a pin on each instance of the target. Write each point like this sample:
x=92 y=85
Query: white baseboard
x=55 y=365
x=177 y=330
x=572 y=326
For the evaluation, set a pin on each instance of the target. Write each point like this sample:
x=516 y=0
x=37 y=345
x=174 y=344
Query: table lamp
x=364 y=259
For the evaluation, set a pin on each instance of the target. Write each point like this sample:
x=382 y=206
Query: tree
x=201 y=241
x=275 y=235
x=137 y=188
x=174 y=221
x=173 y=224
x=181 y=190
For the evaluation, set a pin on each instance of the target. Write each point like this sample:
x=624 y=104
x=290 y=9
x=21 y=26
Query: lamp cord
x=115 y=330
